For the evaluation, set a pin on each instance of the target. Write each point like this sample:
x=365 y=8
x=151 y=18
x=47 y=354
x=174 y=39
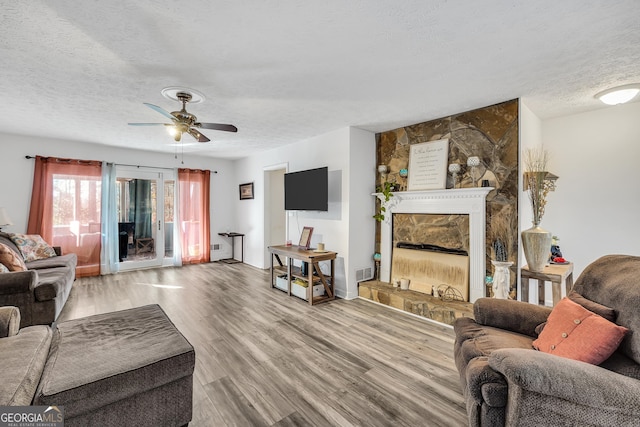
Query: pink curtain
x=65 y=208
x=194 y=215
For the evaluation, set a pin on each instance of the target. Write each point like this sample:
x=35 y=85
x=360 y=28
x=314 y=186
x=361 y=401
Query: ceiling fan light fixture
x=619 y=94
x=173 y=131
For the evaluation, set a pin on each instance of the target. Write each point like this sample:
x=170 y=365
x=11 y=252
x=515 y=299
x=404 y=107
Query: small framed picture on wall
x=246 y=191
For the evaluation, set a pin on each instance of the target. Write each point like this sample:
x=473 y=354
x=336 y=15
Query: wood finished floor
x=266 y=359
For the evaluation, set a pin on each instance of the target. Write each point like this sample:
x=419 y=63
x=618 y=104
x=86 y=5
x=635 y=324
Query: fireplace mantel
x=469 y=201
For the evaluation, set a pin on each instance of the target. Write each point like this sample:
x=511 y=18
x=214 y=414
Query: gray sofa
x=506 y=382
x=40 y=292
x=131 y=367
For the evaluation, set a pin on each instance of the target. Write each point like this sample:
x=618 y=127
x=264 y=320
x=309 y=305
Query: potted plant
x=536 y=241
x=386 y=191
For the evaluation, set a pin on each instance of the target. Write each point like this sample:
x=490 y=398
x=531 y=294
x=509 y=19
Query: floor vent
x=363 y=274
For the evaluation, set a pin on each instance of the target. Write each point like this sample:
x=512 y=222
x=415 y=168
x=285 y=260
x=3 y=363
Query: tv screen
x=306 y=190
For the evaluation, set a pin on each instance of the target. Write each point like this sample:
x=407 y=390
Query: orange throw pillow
x=576 y=333
x=10 y=259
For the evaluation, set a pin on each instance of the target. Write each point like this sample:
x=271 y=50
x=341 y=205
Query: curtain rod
x=124 y=164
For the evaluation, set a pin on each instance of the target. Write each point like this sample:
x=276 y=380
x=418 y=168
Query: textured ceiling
x=284 y=71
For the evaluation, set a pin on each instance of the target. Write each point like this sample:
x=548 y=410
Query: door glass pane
x=137 y=218
x=169 y=198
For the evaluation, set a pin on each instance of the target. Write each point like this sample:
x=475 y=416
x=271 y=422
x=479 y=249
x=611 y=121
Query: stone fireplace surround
x=469 y=201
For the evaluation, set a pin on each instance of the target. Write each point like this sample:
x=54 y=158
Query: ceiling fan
x=185 y=122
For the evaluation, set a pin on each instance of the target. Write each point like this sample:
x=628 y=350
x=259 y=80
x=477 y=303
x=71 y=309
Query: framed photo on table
x=246 y=191
x=305 y=237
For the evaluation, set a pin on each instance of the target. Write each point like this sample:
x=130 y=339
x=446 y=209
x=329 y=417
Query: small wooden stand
x=311 y=257
x=557 y=274
x=233 y=235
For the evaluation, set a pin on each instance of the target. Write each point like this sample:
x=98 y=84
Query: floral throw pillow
x=32 y=246
x=11 y=259
x=3 y=268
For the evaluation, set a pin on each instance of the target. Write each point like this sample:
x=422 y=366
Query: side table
x=233 y=236
x=557 y=274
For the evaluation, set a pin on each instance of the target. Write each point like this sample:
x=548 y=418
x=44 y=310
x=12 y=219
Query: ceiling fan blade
x=160 y=110
x=217 y=126
x=148 y=124
x=197 y=135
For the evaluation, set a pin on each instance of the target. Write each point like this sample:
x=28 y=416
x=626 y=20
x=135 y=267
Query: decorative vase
x=536 y=243
x=501 y=279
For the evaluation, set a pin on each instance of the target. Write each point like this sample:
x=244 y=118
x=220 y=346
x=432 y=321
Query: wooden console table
x=557 y=274
x=314 y=275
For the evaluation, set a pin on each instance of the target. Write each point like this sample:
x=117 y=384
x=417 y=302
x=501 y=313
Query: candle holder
x=454 y=168
x=473 y=162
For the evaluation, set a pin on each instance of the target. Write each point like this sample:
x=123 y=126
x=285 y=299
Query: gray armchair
x=506 y=382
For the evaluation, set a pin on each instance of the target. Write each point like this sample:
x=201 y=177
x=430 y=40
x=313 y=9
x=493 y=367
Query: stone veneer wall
x=491 y=133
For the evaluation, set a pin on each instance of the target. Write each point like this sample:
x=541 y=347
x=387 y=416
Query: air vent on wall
x=363 y=274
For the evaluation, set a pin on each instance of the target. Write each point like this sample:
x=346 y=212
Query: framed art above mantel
x=428 y=165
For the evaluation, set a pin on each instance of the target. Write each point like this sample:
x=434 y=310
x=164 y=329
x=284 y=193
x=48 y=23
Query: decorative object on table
x=305 y=237
x=454 y=168
x=428 y=164
x=387 y=192
x=536 y=241
x=246 y=191
x=473 y=162
x=448 y=293
x=556 y=254
x=4 y=218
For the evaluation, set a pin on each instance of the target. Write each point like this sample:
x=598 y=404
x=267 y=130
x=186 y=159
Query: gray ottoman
x=130 y=367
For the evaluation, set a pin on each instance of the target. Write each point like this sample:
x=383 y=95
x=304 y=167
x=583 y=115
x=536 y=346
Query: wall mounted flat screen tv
x=306 y=190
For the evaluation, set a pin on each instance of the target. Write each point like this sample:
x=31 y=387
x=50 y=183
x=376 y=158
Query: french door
x=145 y=215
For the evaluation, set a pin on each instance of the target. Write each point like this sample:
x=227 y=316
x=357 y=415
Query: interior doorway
x=275 y=217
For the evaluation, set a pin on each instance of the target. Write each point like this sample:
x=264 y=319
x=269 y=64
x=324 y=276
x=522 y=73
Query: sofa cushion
x=32 y=246
x=574 y=332
x=23 y=360
x=99 y=360
x=614 y=280
x=11 y=259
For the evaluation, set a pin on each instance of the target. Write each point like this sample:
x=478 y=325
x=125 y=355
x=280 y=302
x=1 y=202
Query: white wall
x=347 y=153
x=530 y=128
x=16 y=176
x=595 y=208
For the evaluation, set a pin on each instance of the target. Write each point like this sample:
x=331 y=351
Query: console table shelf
x=314 y=275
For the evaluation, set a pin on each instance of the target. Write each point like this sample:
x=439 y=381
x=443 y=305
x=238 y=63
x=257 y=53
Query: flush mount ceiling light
x=619 y=95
